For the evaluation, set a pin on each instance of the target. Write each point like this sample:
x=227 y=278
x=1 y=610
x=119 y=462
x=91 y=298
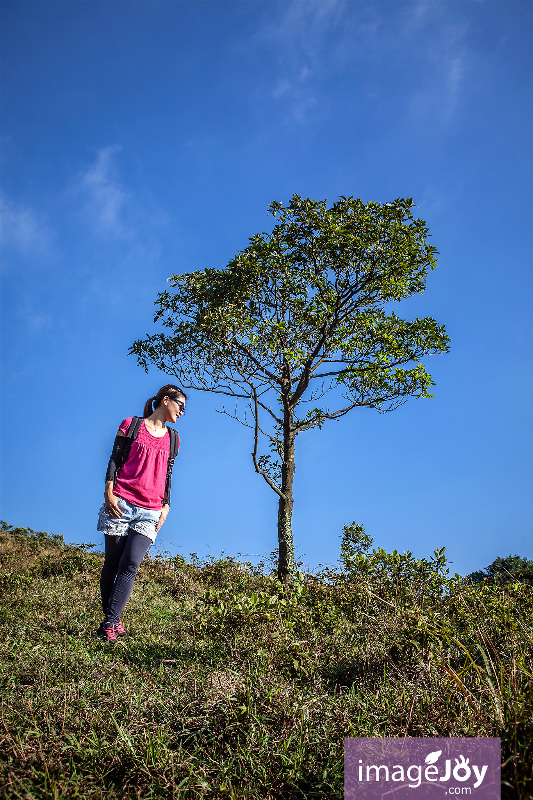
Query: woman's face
x=175 y=407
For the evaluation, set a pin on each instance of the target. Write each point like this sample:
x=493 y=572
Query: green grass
x=228 y=687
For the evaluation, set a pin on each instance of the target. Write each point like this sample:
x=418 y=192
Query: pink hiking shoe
x=119 y=629
x=106 y=633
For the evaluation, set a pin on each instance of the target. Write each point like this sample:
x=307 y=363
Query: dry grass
x=229 y=687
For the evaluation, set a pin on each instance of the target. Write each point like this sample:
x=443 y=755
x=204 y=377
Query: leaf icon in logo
x=432 y=757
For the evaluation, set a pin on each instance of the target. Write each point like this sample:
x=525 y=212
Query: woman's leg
x=114 y=547
x=134 y=552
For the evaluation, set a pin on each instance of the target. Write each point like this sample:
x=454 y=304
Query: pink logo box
x=420 y=769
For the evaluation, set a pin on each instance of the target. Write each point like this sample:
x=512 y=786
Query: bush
x=66 y=564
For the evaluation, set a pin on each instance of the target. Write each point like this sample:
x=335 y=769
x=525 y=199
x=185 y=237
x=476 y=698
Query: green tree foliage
x=512 y=569
x=301 y=312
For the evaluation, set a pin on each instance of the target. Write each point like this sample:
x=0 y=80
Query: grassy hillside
x=229 y=688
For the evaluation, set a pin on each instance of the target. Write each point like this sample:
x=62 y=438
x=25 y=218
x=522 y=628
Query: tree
x=511 y=569
x=299 y=312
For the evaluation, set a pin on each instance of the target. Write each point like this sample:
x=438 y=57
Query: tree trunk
x=286 y=543
x=285 y=540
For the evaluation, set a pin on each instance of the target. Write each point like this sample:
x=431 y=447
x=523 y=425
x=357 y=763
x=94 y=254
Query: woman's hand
x=162 y=518
x=111 y=501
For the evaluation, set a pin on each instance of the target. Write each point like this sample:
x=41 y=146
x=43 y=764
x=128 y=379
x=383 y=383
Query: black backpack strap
x=121 y=450
x=174 y=442
x=174 y=447
x=131 y=435
x=133 y=430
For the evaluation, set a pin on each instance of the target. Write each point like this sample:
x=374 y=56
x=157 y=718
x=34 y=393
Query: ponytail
x=148 y=407
x=170 y=390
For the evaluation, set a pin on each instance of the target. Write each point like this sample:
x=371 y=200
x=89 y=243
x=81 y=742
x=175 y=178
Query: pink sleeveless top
x=141 y=480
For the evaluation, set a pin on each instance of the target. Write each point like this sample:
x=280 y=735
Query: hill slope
x=229 y=687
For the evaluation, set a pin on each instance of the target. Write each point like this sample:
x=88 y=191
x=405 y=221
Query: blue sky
x=141 y=138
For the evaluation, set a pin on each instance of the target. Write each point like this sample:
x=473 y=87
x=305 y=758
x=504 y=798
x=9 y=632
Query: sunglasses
x=179 y=403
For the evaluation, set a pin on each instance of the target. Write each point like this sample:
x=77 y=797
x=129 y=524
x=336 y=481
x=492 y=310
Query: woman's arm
x=115 y=462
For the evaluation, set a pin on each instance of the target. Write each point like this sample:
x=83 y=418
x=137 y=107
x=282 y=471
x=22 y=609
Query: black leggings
x=123 y=555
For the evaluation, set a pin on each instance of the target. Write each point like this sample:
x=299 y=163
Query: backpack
x=131 y=435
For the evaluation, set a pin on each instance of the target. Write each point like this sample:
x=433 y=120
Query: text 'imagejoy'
x=375 y=769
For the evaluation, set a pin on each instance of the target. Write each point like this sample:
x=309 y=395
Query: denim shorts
x=141 y=520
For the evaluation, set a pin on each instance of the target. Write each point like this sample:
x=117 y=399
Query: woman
x=137 y=499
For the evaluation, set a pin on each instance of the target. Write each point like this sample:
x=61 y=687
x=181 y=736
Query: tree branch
x=273 y=378
x=254 y=452
x=323 y=416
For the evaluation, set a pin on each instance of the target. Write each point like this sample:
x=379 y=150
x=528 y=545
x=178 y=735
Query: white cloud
x=418 y=13
x=445 y=53
x=34 y=321
x=105 y=198
x=298 y=37
x=128 y=227
x=24 y=229
x=313 y=41
x=455 y=69
x=304 y=23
